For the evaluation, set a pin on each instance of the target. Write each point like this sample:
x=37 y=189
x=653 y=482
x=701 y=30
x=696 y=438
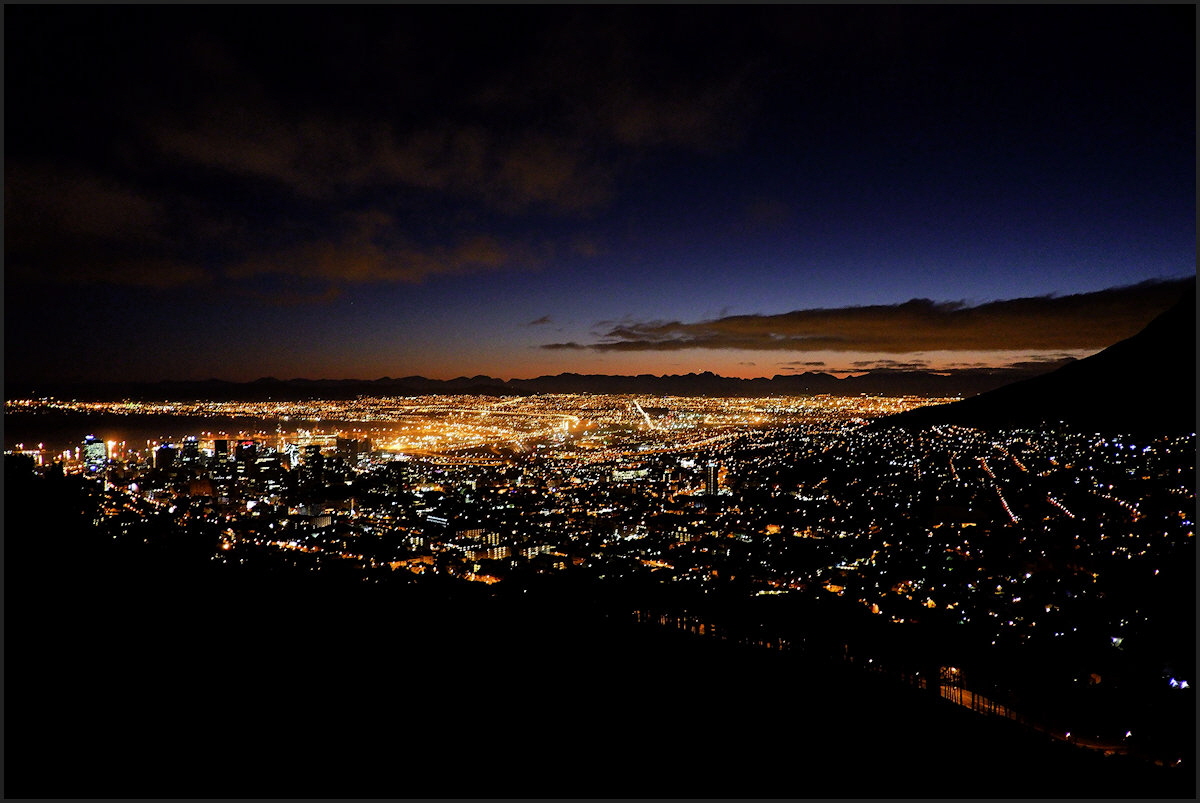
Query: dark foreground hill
x=1145 y=384
x=152 y=676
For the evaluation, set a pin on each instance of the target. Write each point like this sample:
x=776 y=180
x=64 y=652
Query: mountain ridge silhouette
x=1145 y=384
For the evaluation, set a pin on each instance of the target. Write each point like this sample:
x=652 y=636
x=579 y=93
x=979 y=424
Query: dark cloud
x=890 y=365
x=244 y=141
x=64 y=225
x=542 y=321
x=48 y=202
x=328 y=158
x=1012 y=372
x=358 y=259
x=1074 y=322
x=245 y=166
x=549 y=127
x=697 y=119
x=72 y=226
x=631 y=80
x=135 y=272
x=1047 y=363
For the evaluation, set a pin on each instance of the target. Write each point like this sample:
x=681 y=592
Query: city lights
x=1018 y=538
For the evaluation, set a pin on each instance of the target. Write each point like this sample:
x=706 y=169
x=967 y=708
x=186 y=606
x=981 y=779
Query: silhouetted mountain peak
x=1145 y=383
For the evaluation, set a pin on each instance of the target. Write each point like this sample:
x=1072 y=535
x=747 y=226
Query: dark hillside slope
x=1145 y=384
x=140 y=672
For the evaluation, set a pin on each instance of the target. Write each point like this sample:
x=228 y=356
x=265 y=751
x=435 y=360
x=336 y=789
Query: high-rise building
x=291 y=455
x=348 y=449
x=711 y=477
x=313 y=470
x=191 y=450
x=398 y=474
x=164 y=456
x=246 y=455
x=222 y=466
x=95 y=455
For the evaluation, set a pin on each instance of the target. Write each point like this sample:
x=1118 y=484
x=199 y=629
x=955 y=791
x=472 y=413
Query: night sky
x=336 y=192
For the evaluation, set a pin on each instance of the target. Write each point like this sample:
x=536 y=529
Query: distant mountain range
x=1147 y=380
x=1145 y=384
x=890 y=383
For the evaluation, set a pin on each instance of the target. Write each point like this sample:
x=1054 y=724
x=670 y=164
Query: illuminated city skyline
x=1033 y=576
